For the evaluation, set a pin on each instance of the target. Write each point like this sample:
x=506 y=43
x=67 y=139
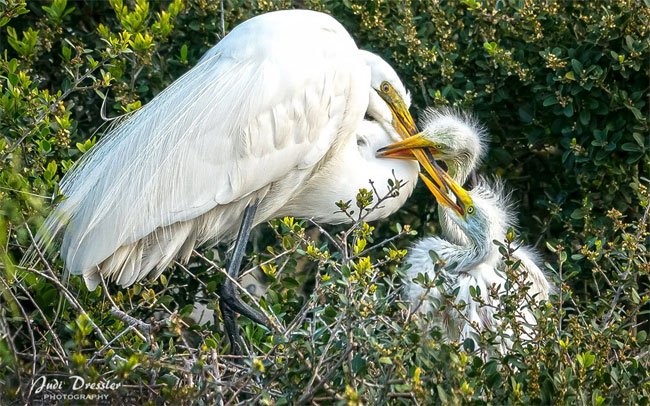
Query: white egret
x=269 y=123
x=469 y=226
x=475 y=265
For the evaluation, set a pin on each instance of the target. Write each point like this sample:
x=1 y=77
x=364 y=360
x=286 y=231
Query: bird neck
x=461 y=257
x=459 y=169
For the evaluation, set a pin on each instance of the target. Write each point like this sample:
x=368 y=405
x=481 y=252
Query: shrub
x=563 y=88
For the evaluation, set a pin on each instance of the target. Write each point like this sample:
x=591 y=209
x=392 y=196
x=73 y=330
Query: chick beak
x=418 y=147
x=462 y=199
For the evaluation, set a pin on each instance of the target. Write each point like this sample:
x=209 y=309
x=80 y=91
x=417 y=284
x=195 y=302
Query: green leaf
x=640 y=139
x=568 y=110
x=50 y=171
x=525 y=114
x=576 y=65
x=358 y=363
x=491 y=47
x=385 y=360
x=45 y=145
x=631 y=147
x=184 y=52
x=586 y=359
x=549 y=101
x=637 y=113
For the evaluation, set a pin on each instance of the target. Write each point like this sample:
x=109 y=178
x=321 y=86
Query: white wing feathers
x=263 y=106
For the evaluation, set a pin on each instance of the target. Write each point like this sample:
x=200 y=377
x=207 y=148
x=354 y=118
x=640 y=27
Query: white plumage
x=475 y=263
x=273 y=112
x=465 y=245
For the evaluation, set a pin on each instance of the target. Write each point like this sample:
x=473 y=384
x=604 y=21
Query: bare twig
x=328 y=235
x=276 y=324
x=5 y=334
x=379 y=245
x=57 y=284
x=139 y=325
x=311 y=390
x=625 y=275
x=223 y=18
x=27 y=324
x=58 y=347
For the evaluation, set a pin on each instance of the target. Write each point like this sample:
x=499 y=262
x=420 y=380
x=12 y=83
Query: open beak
x=413 y=144
x=418 y=147
x=436 y=179
x=462 y=199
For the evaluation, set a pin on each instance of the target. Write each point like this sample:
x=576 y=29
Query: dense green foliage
x=562 y=87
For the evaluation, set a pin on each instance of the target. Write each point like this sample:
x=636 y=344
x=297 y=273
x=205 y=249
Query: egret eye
x=385 y=87
x=470 y=210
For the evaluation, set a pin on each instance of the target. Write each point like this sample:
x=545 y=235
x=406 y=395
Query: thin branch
x=276 y=324
x=8 y=338
x=68 y=295
x=379 y=245
x=328 y=235
x=311 y=391
x=51 y=108
x=60 y=350
x=139 y=326
x=27 y=323
x=223 y=19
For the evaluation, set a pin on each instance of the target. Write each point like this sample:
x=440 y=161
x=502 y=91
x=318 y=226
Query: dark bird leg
x=230 y=302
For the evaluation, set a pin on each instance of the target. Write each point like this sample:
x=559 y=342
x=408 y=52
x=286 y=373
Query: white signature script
x=77 y=383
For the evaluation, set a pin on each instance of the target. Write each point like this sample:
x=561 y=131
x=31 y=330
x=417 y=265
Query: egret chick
x=475 y=265
x=465 y=255
x=459 y=141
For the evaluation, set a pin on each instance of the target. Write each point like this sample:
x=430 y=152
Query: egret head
x=448 y=135
x=389 y=101
x=490 y=216
x=483 y=214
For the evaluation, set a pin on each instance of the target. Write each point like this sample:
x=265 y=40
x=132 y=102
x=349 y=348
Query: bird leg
x=230 y=302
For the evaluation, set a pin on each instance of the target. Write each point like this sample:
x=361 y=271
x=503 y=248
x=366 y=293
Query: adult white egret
x=265 y=125
x=469 y=226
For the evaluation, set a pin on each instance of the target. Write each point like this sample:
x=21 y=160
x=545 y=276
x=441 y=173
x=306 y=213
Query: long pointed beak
x=418 y=146
x=412 y=144
x=405 y=147
x=463 y=199
x=402 y=119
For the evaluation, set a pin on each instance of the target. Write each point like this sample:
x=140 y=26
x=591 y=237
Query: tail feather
x=128 y=273
x=113 y=267
x=152 y=254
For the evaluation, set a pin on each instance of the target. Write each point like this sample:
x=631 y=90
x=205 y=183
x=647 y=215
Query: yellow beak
x=406 y=147
x=402 y=119
x=413 y=144
x=436 y=179
x=463 y=199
